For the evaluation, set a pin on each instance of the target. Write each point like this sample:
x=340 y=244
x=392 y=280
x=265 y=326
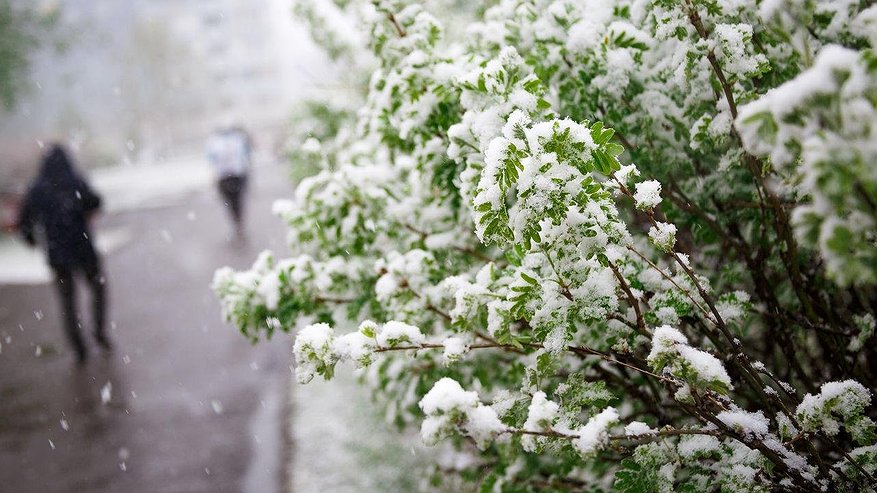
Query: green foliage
x=634 y=478
x=16 y=42
x=600 y=244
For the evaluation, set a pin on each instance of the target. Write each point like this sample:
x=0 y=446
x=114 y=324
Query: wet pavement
x=184 y=403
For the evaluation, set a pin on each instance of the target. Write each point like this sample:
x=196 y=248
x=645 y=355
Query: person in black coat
x=58 y=205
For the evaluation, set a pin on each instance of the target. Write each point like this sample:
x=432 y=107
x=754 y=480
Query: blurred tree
x=163 y=87
x=20 y=29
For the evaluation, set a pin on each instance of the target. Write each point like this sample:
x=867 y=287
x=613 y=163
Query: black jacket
x=60 y=202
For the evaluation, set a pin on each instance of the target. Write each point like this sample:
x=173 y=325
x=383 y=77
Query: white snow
x=691 y=445
x=647 y=195
x=311 y=146
x=354 y=346
x=663 y=235
x=734 y=55
x=595 y=434
x=447 y=395
x=671 y=344
x=455 y=348
x=22 y=264
x=313 y=346
x=637 y=428
x=664 y=340
x=541 y=413
x=843 y=399
x=393 y=333
x=707 y=366
x=745 y=422
x=626 y=172
x=483 y=424
x=155 y=185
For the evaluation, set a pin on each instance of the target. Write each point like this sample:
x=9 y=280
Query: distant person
x=56 y=210
x=230 y=153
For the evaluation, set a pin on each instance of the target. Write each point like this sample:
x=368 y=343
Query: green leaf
x=596 y=128
x=487 y=485
x=532 y=85
x=605 y=136
x=631 y=478
x=614 y=149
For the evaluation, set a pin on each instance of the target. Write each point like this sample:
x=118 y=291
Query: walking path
x=184 y=404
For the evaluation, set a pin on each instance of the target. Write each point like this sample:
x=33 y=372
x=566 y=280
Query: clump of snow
x=540 y=417
x=311 y=146
x=619 y=64
x=313 y=350
x=595 y=434
x=355 y=346
x=786 y=428
x=269 y=289
x=705 y=365
x=393 y=333
x=663 y=235
x=664 y=341
x=447 y=405
x=671 y=352
x=483 y=424
x=866 y=325
x=447 y=395
x=695 y=445
x=626 y=172
x=638 y=428
x=455 y=348
x=865 y=24
x=541 y=413
x=780 y=101
x=746 y=423
x=735 y=53
x=647 y=195
x=846 y=400
x=667 y=315
x=433 y=428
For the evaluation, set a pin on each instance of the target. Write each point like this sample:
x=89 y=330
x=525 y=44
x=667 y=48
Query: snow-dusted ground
x=339 y=440
x=122 y=188
x=156 y=185
x=340 y=443
x=21 y=264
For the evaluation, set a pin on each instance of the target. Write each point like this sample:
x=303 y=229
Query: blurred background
x=143 y=81
x=134 y=89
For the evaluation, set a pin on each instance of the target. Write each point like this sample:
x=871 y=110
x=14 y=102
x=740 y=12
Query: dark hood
x=57 y=171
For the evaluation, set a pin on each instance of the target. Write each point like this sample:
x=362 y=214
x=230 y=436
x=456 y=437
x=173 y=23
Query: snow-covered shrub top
x=598 y=244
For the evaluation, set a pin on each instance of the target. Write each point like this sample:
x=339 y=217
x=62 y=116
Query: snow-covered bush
x=595 y=245
x=317 y=131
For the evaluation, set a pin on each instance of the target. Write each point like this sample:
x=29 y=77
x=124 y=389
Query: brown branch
x=399 y=31
x=634 y=303
x=329 y=299
x=667 y=432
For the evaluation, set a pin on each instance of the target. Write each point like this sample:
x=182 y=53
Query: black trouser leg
x=238 y=204
x=67 y=293
x=97 y=284
x=232 y=189
x=234 y=201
